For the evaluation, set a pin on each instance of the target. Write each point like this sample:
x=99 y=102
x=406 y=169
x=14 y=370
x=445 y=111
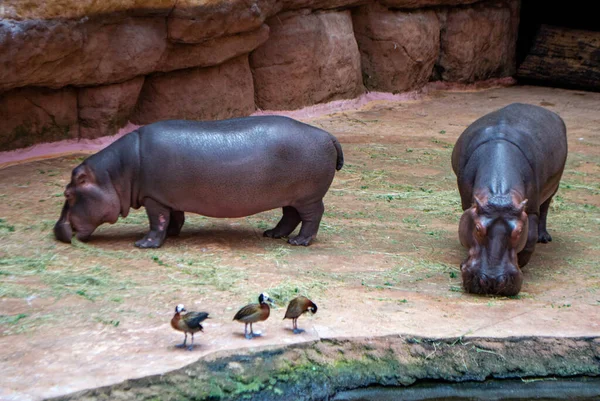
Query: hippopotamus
x=508 y=166
x=228 y=168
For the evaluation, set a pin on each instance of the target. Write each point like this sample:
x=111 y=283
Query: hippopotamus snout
x=64 y=227
x=503 y=280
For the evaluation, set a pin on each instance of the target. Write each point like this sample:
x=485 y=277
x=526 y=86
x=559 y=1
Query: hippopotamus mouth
x=508 y=283
x=64 y=228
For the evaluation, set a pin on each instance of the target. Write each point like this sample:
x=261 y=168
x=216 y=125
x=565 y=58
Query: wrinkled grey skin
x=229 y=168
x=508 y=166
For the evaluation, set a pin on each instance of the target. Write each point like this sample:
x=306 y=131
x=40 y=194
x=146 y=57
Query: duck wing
x=193 y=319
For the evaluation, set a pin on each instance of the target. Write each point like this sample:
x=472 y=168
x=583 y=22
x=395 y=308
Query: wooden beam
x=564 y=56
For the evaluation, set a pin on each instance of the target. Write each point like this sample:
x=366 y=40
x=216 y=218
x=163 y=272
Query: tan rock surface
x=58 y=53
x=194 y=22
x=398 y=49
x=212 y=51
x=309 y=58
x=32 y=115
x=479 y=42
x=425 y=3
x=104 y=109
x=212 y=93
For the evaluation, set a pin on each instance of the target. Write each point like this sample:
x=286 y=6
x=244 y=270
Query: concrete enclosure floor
x=386 y=259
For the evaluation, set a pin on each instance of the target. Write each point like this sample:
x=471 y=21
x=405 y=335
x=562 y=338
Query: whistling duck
x=188 y=323
x=253 y=313
x=296 y=308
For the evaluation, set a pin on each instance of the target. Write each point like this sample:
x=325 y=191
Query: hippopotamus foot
x=150 y=240
x=175 y=223
x=544 y=237
x=523 y=257
x=287 y=224
x=300 y=240
x=159 y=217
x=311 y=218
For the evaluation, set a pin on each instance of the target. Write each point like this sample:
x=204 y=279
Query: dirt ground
x=385 y=261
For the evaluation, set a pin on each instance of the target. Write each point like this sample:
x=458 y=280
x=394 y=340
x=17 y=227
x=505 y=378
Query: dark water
x=580 y=389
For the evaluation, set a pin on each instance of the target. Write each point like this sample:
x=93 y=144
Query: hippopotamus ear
x=478 y=204
x=82 y=175
x=522 y=206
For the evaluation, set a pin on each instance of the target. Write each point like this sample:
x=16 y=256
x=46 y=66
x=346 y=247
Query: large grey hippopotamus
x=508 y=166
x=229 y=168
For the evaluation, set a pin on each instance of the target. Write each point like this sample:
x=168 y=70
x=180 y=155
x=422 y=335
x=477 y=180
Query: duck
x=188 y=323
x=253 y=313
x=296 y=308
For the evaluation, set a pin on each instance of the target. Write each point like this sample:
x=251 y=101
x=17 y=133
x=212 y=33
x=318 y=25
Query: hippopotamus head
x=91 y=200
x=494 y=230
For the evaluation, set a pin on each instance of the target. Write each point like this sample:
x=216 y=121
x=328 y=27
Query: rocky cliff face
x=82 y=69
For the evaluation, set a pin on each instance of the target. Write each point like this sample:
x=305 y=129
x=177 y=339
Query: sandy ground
x=386 y=259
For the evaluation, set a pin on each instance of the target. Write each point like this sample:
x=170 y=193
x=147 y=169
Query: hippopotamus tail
x=340 y=153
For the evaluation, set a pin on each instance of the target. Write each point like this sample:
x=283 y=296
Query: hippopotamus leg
x=175 y=223
x=311 y=217
x=159 y=216
x=532 y=236
x=543 y=235
x=287 y=224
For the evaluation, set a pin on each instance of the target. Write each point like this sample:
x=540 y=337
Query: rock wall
x=82 y=69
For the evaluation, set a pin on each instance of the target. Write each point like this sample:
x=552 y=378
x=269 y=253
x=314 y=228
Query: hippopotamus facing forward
x=229 y=168
x=508 y=166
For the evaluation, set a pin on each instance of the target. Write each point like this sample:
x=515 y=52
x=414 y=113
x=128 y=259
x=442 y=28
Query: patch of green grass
x=90 y=283
x=289 y=289
x=91 y=250
x=12 y=319
x=208 y=271
x=111 y=322
x=5 y=227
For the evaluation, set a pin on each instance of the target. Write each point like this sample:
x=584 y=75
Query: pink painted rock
x=105 y=109
x=479 y=42
x=35 y=115
x=211 y=93
x=398 y=48
x=308 y=59
x=194 y=22
x=213 y=51
x=424 y=3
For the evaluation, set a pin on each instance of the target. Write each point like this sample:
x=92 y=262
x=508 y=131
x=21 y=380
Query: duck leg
x=191 y=347
x=184 y=341
x=246 y=334
x=296 y=329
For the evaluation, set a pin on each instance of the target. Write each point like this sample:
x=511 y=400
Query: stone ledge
x=317 y=370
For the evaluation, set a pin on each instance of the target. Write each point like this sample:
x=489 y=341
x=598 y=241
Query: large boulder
x=57 y=53
x=479 y=42
x=104 y=109
x=211 y=93
x=104 y=51
x=212 y=51
x=34 y=115
x=309 y=58
x=398 y=48
x=194 y=22
x=320 y=4
x=407 y=4
x=74 y=9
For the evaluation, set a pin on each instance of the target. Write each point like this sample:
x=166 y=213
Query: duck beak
x=271 y=301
